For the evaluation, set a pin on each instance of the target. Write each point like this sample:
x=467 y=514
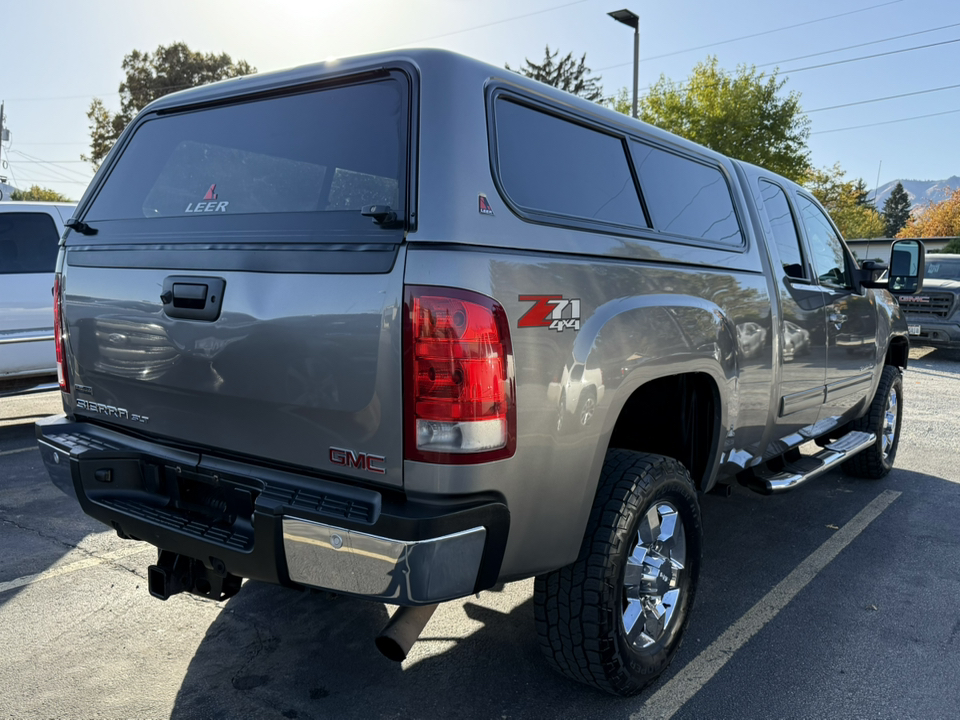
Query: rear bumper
x=276 y=526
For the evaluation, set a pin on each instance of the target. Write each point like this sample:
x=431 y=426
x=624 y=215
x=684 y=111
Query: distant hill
x=921 y=192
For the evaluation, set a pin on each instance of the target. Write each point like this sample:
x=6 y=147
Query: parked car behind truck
x=29 y=237
x=933 y=314
x=316 y=325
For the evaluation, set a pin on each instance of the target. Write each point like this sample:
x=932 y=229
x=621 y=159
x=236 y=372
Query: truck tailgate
x=303 y=368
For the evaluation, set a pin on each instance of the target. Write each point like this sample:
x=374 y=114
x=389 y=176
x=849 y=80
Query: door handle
x=192 y=298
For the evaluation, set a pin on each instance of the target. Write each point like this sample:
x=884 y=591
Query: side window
x=552 y=165
x=785 y=235
x=28 y=243
x=829 y=257
x=686 y=197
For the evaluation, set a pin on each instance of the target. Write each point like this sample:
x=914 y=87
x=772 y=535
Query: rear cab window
x=301 y=161
x=28 y=243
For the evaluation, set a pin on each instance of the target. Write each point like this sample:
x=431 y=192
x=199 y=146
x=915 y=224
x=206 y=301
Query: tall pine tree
x=567 y=74
x=896 y=210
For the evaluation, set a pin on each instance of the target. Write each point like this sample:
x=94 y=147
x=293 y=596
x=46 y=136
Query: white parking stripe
x=18 y=450
x=74 y=566
x=666 y=701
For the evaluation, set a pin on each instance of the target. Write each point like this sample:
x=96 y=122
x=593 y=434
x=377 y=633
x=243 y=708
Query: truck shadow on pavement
x=38 y=523
x=278 y=653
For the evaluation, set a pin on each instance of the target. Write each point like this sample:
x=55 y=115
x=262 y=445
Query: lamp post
x=631 y=19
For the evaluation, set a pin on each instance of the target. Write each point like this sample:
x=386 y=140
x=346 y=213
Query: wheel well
x=677 y=416
x=898 y=352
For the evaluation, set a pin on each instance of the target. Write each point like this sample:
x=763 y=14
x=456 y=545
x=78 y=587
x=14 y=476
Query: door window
x=826 y=247
x=777 y=210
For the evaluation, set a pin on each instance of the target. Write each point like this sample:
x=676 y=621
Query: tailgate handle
x=192 y=298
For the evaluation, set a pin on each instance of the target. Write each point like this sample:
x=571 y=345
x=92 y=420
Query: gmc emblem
x=360 y=461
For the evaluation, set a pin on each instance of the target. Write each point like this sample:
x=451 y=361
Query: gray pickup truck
x=407 y=326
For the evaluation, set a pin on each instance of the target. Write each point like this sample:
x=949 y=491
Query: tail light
x=59 y=337
x=458 y=369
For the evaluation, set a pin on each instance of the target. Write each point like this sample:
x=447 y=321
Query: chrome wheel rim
x=653 y=577
x=888 y=433
x=586 y=414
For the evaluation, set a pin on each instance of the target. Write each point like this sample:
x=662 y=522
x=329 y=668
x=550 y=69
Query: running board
x=808 y=467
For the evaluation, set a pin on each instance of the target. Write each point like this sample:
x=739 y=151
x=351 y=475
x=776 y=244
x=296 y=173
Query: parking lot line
x=18 y=450
x=666 y=701
x=74 y=566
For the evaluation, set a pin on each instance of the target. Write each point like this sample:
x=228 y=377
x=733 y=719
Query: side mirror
x=906 y=266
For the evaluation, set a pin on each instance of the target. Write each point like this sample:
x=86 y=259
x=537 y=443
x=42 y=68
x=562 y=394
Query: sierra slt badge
x=109 y=411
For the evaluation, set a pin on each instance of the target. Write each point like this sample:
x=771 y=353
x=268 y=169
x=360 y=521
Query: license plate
x=913 y=329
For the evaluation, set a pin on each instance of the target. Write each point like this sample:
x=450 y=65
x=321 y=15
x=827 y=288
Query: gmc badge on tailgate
x=361 y=461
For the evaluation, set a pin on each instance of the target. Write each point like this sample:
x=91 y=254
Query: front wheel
x=883 y=420
x=614 y=617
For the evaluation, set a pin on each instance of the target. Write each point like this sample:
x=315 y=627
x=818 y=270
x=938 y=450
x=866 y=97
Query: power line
x=887 y=97
x=860 y=45
x=753 y=35
x=500 y=22
x=53 y=162
x=886 y=122
x=685 y=82
x=48 y=167
x=870 y=57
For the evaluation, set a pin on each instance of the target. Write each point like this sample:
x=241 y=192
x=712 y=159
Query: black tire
x=580 y=608
x=877 y=460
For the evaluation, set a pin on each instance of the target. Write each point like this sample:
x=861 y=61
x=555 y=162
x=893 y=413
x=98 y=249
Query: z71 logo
x=551 y=311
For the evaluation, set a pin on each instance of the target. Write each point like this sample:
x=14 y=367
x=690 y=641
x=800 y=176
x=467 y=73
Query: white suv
x=29 y=238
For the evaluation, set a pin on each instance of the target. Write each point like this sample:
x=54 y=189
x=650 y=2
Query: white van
x=29 y=239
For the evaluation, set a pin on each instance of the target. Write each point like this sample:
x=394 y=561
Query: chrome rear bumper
x=424 y=571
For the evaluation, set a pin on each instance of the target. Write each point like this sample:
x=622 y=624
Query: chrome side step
x=806 y=468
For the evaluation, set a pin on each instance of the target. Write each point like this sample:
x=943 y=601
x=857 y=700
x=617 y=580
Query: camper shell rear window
x=323 y=154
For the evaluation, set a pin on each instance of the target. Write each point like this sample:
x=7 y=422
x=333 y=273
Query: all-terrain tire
x=883 y=419
x=582 y=609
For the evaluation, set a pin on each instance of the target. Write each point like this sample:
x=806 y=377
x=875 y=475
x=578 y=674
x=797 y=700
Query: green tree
x=39 y=194
x=845 y=201
x=148 y=77
x=896 y=210
x=567 y=73
x=741 y=114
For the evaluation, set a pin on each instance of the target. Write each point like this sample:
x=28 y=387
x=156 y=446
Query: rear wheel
x=614 y=617
x=883 y=420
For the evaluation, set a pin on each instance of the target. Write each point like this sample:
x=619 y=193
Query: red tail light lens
x=458 y=372
x=59 y=337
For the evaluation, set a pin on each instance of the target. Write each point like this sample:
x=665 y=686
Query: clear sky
x=56 y=55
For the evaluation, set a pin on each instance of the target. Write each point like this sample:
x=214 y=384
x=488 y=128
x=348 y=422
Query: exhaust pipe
x=399 y=635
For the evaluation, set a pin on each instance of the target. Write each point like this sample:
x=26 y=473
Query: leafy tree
x=896 y=210
x=845 y=201
x=940 y=219
x=148 y=77
x=567 y=74
x=741 y=114
x=39 y=194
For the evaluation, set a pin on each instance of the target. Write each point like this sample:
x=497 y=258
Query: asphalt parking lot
x=839 y=600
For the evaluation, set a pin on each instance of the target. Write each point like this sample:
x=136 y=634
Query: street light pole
x=631 y=19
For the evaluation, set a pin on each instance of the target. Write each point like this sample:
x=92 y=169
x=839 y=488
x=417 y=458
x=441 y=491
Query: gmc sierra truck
x=406 y=326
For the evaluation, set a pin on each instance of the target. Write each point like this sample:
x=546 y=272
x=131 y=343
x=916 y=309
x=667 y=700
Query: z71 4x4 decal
x=551 y=311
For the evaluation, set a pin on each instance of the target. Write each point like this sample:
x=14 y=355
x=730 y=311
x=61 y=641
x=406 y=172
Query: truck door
x=803 y=344
x=851 y=318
